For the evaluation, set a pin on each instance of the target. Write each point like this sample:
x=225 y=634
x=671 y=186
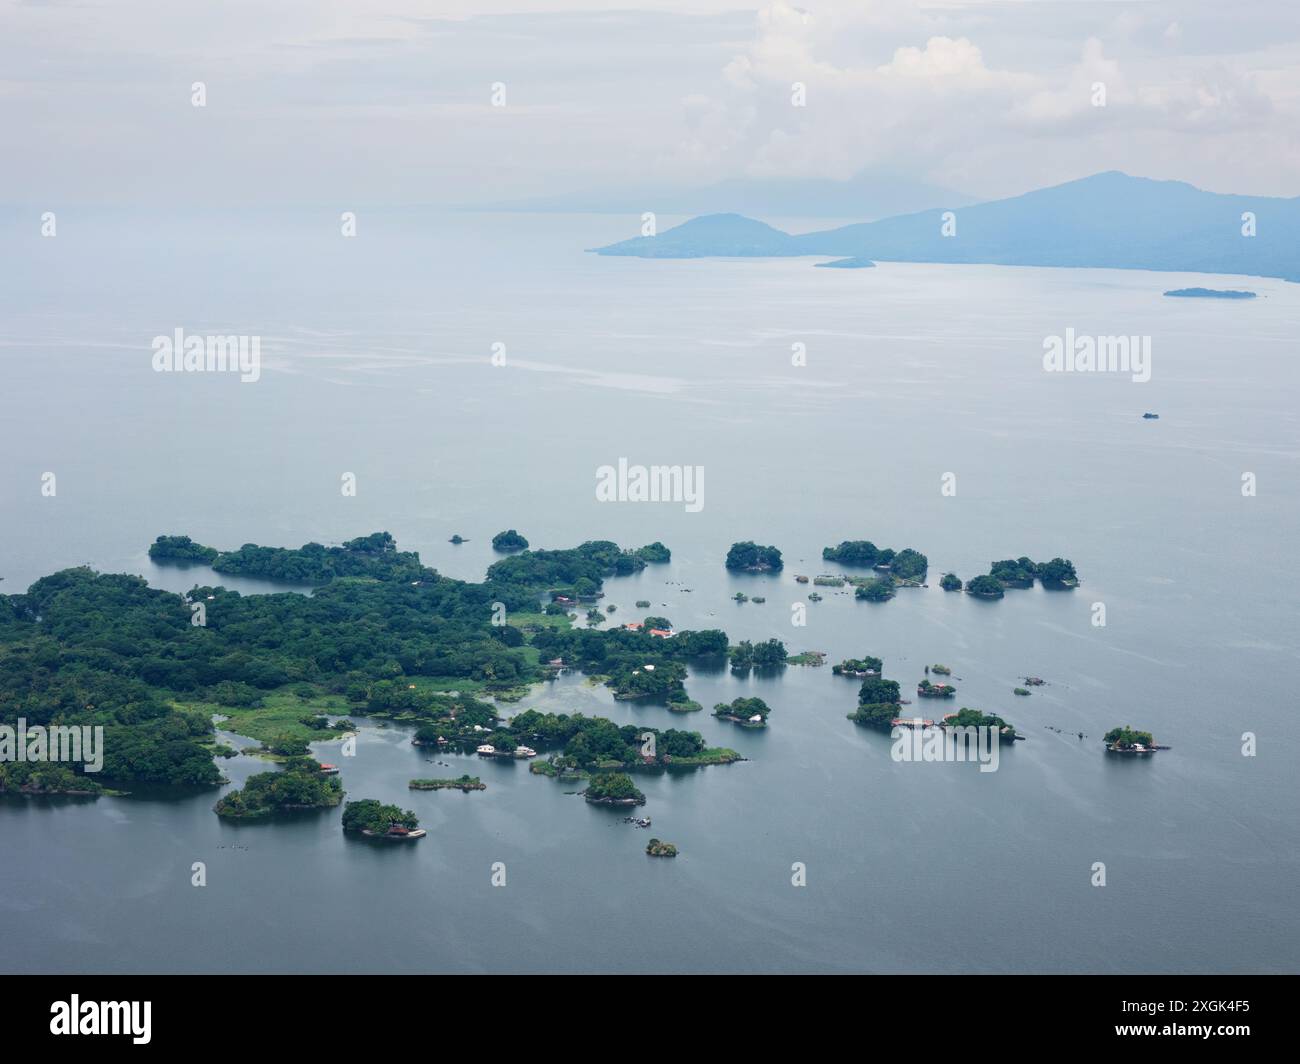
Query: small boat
x=397 y=832
x=1148 y=416
x=329 y=770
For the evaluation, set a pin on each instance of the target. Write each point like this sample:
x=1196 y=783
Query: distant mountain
x=866 y=196
x=1109 y=220
x=714 y=234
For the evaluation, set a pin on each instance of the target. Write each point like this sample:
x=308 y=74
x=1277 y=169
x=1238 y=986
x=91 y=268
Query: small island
x=745 y=655
x=1210 y=293
x=509 y=540
x=950 y=582
x=858 y=667
x=181 y=549
x=973 y=718
x=879 y=704
x=656 y=848
x=749 y=557
x=904 y=565
x=985 y=587
x=747 y=712
x=300 y=786
x=375 y=820
x=465 y=783
x=1127 y=740
x=879 y=589
x=613 y=788
x=926 y=689
x=457 y=539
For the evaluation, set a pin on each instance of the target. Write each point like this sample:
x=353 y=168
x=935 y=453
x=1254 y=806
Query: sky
x=391 y=101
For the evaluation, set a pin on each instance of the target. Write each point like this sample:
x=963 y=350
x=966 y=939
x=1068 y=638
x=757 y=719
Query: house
x=633 y=626
x=662 y=633
x=487 y=750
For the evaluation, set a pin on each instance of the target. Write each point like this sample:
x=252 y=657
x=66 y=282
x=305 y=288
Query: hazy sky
x=331 y=101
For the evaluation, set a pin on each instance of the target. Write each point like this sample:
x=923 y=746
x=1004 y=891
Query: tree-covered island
x=1128 y=740
x=749 y=557
x=858 y=667
x=747 y=712
x=769 y=654
x=879 y=703
x=613 y=788
x=509 y=540
x=181 y=549
x=382 y=634
x=1058 y=574
x=373 y=819
x=300 y=786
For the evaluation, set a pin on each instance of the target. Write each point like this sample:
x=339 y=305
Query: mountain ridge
x=1106 y=220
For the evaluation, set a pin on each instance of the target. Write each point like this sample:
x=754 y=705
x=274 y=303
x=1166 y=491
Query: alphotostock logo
x=1075 y=353
x=59 y=743
x=194 y=353
x=656 y=483
x=947 y=744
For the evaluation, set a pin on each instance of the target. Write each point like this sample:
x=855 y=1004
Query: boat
x=1148 y=416
x=397 y=832
x=329 y=770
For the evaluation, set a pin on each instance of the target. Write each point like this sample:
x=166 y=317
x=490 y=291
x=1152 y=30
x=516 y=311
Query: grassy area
x=539 y=620
x=279 y=715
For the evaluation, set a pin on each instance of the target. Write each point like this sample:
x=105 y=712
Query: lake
x=376 y=361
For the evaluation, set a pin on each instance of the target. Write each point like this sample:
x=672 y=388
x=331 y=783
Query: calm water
x=376 y=363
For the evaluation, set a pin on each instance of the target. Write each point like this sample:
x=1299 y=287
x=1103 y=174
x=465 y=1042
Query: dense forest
x=381 y=633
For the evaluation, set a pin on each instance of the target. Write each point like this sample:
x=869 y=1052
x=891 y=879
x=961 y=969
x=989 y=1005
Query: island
x=464 y=783
x=381 y=634
x=879 y=704
x=1057 y=574
x=656 y=848
x=613 y=788
x=973 y=718
x=749 y=557
x=906 y=564
x=509 y=540
x=302 y=785
x=926 y=689
x=769 y=654
x=655 y=553
x=181 y=549
x=878 y=589
x=375 y=820
x=1210 y=293
x=950 y=582
x=1127 y=740
x=747 y=712
x=858 y=667
x=854 y=263
x=457 y=539
x=986 y=587
x=1134 y=223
